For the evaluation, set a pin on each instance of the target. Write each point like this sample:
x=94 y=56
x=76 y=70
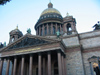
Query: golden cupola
x=49 y=18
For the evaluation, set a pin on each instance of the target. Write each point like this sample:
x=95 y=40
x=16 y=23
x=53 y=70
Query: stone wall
x=90 y=39
x=86 y=56
x=71 y=41
x=90 y=42
x=74 y=62
x=89 y=34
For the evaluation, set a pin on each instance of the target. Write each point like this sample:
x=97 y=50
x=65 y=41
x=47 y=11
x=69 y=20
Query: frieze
x=27 y=50
x=22 y=51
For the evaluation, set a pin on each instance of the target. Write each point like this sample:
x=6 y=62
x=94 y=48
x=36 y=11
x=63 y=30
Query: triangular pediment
x=29 y=40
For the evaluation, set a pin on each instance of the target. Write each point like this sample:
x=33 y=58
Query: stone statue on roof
x=29 y=31
x=97 y=26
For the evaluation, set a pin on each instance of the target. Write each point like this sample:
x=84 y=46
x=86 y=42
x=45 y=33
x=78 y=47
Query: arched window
x=69 y=27
x=13 y=38
x=38 y=30
x=45 y=30
x=54 y=30
x=59 y=29
x=49 y=29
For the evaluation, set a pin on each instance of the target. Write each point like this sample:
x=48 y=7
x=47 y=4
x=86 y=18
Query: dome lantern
x=50 y=5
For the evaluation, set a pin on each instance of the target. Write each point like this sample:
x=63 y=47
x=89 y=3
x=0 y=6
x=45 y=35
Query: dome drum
x=49 y=29
x=49 y=17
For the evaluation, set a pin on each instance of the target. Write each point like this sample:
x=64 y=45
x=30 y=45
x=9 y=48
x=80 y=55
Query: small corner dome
x=16 y=31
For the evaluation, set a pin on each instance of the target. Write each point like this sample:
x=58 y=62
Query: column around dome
x=51 y=28
x=56 y=27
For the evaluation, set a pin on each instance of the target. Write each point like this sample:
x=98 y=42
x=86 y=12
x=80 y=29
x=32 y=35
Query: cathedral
x=56 y=49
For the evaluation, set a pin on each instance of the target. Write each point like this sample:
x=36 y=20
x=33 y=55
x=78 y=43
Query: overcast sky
x=25 y=13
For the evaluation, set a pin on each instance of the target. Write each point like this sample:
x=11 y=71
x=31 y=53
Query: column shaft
x=15 y=64
x=1 y=67
x=91 y=68
x=22 y=66
x=49 y=63
x=12 y=68
x=7 y=69
x=65 y=65
x=59 y=64
x=44 y=72
x=51 y=28
x=30 y=65
x=63 y=70
x=39 y=64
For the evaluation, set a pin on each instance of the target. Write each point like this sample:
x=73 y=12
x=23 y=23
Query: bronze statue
x=58 y=34
x=29 y=31
x=97 y=26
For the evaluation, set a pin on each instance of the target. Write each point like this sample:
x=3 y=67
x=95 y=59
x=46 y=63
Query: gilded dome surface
x=50 y=10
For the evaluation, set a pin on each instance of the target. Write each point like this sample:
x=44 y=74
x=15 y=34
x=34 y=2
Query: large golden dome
x=49 y=15
x=50 y=9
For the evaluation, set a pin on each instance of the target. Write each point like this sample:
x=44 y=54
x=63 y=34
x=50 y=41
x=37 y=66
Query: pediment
x=29 y=40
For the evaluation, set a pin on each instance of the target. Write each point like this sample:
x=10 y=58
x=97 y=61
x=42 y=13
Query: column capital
x=2 y=58
x=31 y=54
x=59 y=51
x=39 y=53
x=49 y=52
x=23 y=56
x=7 y=58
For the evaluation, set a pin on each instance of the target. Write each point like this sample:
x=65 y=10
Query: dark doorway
x=97 y=71
x=56 y=68
x=36 y=71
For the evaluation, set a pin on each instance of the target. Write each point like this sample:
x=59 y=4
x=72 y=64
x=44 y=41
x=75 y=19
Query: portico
x=38 y=60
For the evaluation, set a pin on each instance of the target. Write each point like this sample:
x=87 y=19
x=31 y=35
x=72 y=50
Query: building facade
x=56 y=49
